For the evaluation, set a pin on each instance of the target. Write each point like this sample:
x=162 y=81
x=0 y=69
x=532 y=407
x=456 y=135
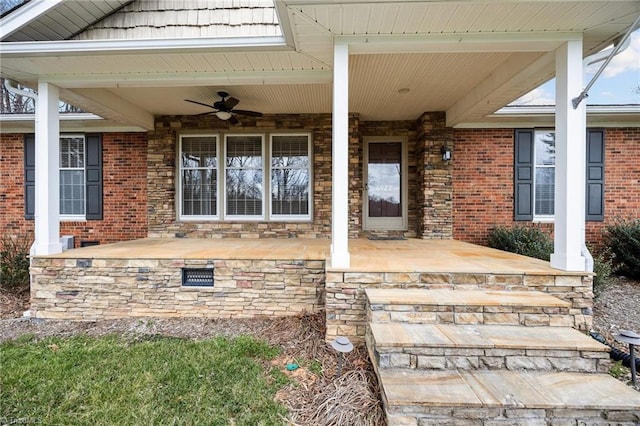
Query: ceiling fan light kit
x=223 y=115
x=224 y=108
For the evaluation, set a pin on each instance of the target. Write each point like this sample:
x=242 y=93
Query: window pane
x=290 y=191
x=72 y=192
x=199 y=190
x=545 y=188
x=72 y=152
x=545 y=148
x=290 y=175
x=244 y=192
x=199 y=152
x=244 y=185
x=290 y=151
x=199 y=176
x=244 y=151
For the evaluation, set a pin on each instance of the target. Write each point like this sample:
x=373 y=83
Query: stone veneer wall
x=92 y=289
x=161 y=178
x=435 y=207
x=346 y=299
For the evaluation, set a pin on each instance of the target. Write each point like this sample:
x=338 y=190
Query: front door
x=385 y=187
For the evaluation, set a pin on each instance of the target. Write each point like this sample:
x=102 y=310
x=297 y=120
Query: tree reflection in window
x=290 y=175
x=244 y=175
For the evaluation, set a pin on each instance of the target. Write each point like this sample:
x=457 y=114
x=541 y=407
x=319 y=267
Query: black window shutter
x=93 y=170
x=523 y=175
x=29 y=176
x=595 y=175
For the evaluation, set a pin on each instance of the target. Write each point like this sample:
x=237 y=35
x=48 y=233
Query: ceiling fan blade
x=229 y=103
x=233 y=120
x=249 y=113
x=205 y=113
x=198 y=103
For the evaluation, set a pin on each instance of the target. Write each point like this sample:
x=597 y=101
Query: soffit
x=447 y=63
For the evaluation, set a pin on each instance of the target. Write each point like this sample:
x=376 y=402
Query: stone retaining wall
x=345 y=298
x=92 y=289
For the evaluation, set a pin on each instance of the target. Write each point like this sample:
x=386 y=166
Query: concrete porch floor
x=448 y=256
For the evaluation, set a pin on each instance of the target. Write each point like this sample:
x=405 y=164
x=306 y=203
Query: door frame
x=386 y=224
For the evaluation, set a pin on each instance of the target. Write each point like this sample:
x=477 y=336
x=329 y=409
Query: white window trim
x=74 y=217
x=540 y=218
x=292 y=218
x=221 y=198
x=223 y=180
x=198 y=218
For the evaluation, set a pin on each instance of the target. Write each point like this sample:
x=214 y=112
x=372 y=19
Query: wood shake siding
x=152 y=19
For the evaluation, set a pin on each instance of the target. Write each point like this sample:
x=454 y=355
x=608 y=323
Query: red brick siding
x=483 y=182
x=621 y=180
x=124 y=175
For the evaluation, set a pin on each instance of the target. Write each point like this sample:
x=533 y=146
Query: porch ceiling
x=466 y=58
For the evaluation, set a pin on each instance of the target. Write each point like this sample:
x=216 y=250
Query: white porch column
x=47 y=179
x=569 y=234
x=340 y=257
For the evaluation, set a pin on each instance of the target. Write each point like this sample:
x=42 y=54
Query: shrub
x=526 y=240
x=603 y=268
x=14 y=261
x=623 y=238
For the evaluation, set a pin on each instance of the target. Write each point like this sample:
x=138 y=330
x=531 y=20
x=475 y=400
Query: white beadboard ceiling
x=468 y=58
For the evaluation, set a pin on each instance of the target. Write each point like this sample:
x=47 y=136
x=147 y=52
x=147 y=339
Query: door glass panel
x=383 y=172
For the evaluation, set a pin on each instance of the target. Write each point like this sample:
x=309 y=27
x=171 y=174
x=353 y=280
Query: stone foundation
x=92 y=289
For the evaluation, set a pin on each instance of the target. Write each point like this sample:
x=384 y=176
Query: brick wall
x=125 y=190
x=483 y=182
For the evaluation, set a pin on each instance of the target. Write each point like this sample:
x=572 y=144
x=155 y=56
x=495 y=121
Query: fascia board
x=25 y=14
x=135 y=47
x=285 y=23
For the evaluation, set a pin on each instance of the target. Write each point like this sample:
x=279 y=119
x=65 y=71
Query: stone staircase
x=455 y=357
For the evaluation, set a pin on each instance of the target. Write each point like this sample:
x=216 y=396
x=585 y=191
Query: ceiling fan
x=223 y=109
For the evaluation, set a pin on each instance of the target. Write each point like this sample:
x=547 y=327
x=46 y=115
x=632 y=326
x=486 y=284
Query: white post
x=569 y=231
x=340 y=257
x=47 y=171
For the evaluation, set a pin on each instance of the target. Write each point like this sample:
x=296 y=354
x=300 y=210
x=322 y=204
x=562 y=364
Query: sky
x=619 y=84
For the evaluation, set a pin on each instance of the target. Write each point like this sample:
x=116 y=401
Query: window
x=243 y=178
x=290 y=175
x=244 y=170
x=80 y=173
x=199 y=176
x=534 y=174
x=72 y=176
x=545 y=172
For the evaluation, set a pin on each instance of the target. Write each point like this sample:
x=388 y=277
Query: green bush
x=526 y=240
x=623 y=238
x=14 y=261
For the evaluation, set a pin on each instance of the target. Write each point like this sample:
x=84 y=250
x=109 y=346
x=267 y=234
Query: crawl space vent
x=192 y=277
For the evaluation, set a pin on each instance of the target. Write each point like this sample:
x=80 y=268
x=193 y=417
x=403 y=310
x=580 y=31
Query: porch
x=254 y=277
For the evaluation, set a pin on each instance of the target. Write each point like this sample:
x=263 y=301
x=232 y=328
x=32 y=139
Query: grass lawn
x=154 y=381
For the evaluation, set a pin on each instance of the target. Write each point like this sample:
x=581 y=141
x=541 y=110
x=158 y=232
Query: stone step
x=448 y=346
x=500 y=397
x=530 y=308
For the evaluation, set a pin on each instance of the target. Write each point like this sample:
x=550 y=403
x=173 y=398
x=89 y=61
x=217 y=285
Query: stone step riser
x=460 y=416
x=493 y=359
x=505 y=315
